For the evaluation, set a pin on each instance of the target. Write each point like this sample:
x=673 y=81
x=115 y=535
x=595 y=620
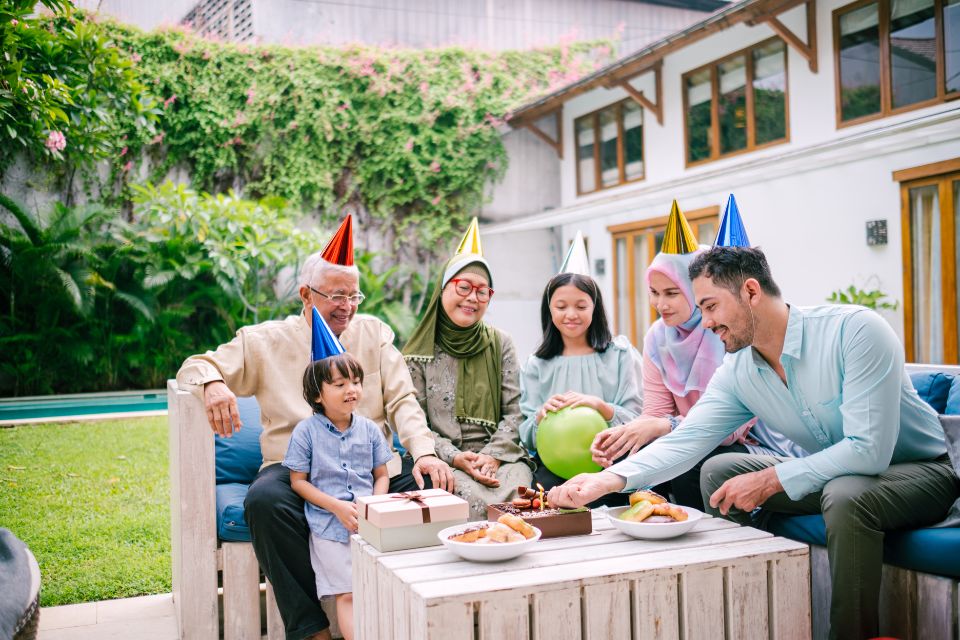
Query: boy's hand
x=346 y=513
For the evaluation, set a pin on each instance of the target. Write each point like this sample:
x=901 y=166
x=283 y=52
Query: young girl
x=335 y=456
x=579 y=363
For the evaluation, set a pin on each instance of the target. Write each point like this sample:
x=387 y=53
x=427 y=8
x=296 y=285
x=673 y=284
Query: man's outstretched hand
x=584 y=488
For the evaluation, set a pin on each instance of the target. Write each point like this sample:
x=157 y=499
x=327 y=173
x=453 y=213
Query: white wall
x=804 y=202
x=522 y=263
x=486 y=24
x=531 y=183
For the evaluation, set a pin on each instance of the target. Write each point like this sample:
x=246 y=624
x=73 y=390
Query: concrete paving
x=144 y=618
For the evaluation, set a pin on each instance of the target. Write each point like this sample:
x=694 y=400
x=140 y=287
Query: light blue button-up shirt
x=339 y=463
x=848 y=401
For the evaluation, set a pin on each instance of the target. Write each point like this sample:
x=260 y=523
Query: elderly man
x=830 y=378
x=267 y=361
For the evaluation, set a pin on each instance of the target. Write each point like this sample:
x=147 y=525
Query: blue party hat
x=732 y=232
x=324 y=343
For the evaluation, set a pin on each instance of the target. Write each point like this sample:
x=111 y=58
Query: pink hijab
x=688 y=354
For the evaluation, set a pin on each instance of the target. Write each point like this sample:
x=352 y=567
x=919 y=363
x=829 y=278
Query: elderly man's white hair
x=315 y=268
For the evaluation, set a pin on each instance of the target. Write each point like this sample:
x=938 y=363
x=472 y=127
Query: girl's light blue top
x=613 y=375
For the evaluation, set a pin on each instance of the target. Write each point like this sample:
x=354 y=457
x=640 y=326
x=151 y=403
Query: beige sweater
x=267 y=360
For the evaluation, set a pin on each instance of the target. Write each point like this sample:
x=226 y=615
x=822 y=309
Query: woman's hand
x=611 y=444
x=346 y=513
x=479 y=466
x=575 y=399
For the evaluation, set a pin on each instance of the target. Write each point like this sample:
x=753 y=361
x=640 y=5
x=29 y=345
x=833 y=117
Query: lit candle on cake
x=540 y=491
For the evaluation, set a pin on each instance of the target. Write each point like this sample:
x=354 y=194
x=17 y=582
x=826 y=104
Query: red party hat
x=340 y=248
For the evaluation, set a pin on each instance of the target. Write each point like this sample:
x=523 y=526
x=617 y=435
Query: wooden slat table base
x=720 y=581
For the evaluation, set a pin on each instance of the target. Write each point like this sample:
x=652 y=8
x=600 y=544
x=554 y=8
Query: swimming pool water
x=81 y=404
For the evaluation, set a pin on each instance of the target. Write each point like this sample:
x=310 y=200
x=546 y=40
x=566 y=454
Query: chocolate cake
x=553 y=523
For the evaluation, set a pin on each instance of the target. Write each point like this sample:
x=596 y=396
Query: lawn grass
x=92 y=501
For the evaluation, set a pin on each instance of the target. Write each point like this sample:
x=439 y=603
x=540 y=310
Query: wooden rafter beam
x=656 y=107
x=556 y=143
x=807 y=49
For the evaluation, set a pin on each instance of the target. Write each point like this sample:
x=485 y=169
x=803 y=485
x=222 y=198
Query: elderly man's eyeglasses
x=465 y=287
x=340 y=299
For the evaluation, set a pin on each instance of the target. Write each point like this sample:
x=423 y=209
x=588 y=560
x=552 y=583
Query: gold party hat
x=471 y=240
x=678 y=237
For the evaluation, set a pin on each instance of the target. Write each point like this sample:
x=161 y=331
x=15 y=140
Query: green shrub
x=124 y=303
x=67 y=93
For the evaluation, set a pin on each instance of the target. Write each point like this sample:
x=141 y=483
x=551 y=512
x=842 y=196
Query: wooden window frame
x=886 y=77
x=628 y=232
x=942 y=174
x=715 y=153
x=621 y=165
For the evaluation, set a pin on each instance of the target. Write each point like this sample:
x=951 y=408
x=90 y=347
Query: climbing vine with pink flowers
x=408 y=138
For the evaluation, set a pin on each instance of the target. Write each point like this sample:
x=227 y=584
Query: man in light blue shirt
x=829 y=378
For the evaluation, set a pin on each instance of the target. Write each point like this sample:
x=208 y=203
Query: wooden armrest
x=193 y=518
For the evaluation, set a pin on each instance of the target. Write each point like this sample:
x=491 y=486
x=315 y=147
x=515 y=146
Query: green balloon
x=564 y=437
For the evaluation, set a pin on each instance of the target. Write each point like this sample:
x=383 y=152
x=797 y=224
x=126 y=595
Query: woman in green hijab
x=467 y=380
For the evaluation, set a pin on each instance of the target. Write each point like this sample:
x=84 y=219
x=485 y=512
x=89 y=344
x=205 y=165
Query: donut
x=517 y=524
x=470 y=535
x=650 y=496
x=671 y=511
x=502 y=533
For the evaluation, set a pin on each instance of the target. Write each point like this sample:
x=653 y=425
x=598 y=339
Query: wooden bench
x=244 y=606
x=913 y=605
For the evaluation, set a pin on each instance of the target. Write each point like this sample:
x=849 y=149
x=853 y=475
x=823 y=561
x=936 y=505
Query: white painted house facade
x=750 y=103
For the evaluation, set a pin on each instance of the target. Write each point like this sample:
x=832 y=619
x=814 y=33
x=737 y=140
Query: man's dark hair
x=730 y=267
x=598 y=335
x=320 y=371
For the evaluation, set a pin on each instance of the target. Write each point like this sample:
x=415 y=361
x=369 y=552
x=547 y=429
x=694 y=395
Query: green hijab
x=477 y=349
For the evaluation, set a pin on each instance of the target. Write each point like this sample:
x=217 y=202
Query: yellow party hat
x=678 y=237
x=471 y=240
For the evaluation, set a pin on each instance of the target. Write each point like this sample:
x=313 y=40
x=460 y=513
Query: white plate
x=491 y=552
x=654 y=530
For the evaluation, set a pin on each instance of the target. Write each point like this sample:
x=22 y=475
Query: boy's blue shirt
x=338 y=463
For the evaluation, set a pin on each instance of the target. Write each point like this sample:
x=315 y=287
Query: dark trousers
x=858 y=511
x=280 y=536
x=686 y=486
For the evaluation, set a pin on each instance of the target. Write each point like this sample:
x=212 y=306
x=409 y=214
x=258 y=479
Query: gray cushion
x=951 y=428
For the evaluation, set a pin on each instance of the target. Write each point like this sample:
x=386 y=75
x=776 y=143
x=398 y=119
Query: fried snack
x=639 y=512
x=502 y=533
x=650 y=496
x=517 y=524
x=470 y=535
x=671 y=511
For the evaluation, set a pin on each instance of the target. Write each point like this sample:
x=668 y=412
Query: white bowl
x=654 y=530
x=490 y=552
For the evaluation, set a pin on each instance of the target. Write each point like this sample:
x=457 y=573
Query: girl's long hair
x=598 y=335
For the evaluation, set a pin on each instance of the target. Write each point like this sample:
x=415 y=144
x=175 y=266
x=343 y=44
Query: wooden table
x=720 y=580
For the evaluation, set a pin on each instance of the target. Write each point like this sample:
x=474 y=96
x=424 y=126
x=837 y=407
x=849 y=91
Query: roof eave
x=649 y=57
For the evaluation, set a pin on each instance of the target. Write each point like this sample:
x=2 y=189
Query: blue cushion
x=231 y=523
x=935 y=551
x=953 y=398
x=238 y=457
x=933 y=388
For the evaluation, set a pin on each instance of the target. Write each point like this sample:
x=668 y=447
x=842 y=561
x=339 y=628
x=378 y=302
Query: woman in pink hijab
x=679 y=358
